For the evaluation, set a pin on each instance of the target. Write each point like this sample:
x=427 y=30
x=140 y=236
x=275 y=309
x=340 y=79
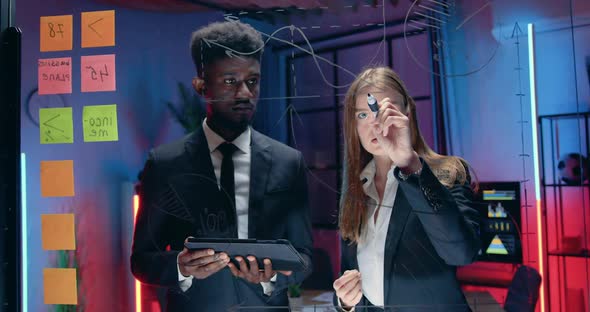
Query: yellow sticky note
x=98 y=29
x=56 y=125
x=57 y=231
x=100 y=123
x=60 y=286
x=56 y=33
x=57 y=178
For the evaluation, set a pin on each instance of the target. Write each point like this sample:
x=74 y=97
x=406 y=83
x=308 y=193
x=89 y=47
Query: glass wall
x=503 y=84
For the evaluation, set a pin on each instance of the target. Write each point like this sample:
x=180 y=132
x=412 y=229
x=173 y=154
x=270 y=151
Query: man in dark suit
x=225 y=180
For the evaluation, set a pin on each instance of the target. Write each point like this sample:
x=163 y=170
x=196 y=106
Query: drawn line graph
x=306 y=48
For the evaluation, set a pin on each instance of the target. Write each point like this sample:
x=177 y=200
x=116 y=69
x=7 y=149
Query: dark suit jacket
x=432 y=230
x=180 y=198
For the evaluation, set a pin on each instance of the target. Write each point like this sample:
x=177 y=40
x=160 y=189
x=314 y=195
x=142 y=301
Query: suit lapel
x=200 y=156
x=349 y=252
x=199 y=175
x=259 y=168
x=399 y=217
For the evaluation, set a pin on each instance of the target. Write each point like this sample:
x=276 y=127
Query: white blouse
x=371 y=246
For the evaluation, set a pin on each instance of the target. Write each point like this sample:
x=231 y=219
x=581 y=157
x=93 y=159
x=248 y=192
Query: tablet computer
x=282 y=254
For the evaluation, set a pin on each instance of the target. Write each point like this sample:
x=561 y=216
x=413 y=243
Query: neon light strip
x=23 y=227
x=137 y=283
x=537 y=174
x=533 y=86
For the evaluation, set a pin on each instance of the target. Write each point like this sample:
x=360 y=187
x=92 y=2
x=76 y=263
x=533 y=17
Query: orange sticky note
x=98 y=73
x=60 y=286
x=57 y=178
x=55 y=75
x=56 y=33
x=98 y=29
x=57 y=231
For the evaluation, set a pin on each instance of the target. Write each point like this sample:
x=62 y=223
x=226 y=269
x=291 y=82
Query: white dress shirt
x=371 y=246
x=241 y=158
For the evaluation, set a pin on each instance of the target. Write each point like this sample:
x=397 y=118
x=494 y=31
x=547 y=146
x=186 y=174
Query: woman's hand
x=348 y=288
x=392 y=129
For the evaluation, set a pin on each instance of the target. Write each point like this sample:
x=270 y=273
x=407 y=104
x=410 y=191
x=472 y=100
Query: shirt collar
x=368 y=176
x=368 y=173
x=242 y=142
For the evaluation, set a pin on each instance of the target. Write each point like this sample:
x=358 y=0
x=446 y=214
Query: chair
x=523 y=291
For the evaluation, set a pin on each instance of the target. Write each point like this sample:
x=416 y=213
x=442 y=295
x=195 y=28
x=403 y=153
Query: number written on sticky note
x=98 y=73
x=52 y=30
x=56 y=33
x=101 y=72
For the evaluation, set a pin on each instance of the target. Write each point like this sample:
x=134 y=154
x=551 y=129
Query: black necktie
x=227 y=179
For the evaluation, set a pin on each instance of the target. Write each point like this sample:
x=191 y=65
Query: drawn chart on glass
x=212 y=215
x=449 y=22
x=287 y=36
x=308 y=48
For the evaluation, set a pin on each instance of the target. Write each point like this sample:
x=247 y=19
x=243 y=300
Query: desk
x=479 y=301
x=309 y=295
x=309 y=302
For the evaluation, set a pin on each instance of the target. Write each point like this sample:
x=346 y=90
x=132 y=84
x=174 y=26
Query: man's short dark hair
x=234 y=35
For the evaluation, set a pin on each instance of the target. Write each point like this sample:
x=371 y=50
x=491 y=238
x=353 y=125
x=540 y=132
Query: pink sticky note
x=55 y=75
x=98 y=73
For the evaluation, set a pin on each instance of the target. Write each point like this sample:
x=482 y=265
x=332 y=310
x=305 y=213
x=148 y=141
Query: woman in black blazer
x=407 y=218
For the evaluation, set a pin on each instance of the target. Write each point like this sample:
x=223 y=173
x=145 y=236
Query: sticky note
x=98 y=29
x=56 y=33
x=98 y=73
x=60 y=286
x=56 y=125
x=100 y=123
x=57 y=178
x=55 y=75
x=57 y=231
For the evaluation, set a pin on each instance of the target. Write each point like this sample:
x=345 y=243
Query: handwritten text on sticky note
x=55 y=75
x=56 y=33
x=57 y=178
x=98 y=29
x=60 y=286
x=56 y=125
x=98 y=73
x=57 y=231
x=100 y=123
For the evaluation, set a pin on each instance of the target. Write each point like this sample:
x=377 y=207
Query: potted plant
x=295 y=299
x=190 y=112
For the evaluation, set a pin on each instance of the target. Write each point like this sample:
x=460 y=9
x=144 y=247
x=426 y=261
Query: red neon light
x=541 y=259
x=137 y=284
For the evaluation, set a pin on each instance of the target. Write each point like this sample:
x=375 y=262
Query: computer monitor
x=500 y=227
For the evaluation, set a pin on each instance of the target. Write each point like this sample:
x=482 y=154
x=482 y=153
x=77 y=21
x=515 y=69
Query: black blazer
x=432 y=230
x=180 y=198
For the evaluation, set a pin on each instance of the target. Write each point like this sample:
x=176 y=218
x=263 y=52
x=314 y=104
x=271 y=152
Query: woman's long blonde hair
x=353 y=213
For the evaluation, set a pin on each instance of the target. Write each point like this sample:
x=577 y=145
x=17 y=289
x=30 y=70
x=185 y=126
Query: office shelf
x=566 y=210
